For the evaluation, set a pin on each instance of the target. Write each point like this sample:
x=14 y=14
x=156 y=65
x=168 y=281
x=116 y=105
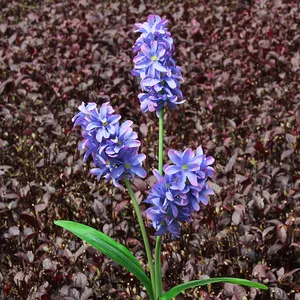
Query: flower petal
x=117 y=172
x=171 y=83
x=193 y=166
x=132 y=143
x=138 y=159
x=93 y=125
x=192 y=178
x=172 y=170
x=103 y=111
x=146 y=50
x=175 y=157
x=159 y=67
x=181 y=183
x=139 y=171
x=187 y=155
x=209 y=160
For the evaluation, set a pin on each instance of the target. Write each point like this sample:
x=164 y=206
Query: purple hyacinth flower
x=154 y=101
x=81 y=118
x=185 y=166
x=148 y=102
x=130 y=164
x=162 y=223
x=207 y=161
x=127 y=163
x=162 y=197
x=103 y=165
x=160 y=77
x=151 y=59
x=178 y=193
x=124 y=137
x=113 y=147
x=90 y=144
x=154 y=27
x=103 y=122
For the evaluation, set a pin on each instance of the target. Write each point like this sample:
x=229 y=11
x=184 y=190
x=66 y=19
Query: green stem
x=158 y=276
x=161 y=141
x=144 y=233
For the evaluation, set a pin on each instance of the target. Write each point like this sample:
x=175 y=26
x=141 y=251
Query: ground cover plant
x=243 y=108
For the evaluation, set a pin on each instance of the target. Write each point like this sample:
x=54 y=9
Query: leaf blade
x=191 y=284
x=109 y=247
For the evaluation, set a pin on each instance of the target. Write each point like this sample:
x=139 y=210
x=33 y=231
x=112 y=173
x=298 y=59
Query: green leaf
x=176 y=290
x=111 y=248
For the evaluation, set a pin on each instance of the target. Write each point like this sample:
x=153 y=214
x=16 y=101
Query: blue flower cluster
x=113 y=146
x=160 y=77
x=177 y=194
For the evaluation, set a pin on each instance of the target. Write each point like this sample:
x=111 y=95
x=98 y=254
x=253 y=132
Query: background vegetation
x=241 y=65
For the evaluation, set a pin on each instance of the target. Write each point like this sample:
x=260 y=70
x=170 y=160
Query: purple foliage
x=242 y=84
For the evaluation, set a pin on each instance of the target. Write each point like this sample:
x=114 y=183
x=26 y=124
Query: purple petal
x=139 y=171
x=157 y=174
x=81 y=107
x=201 y=174
x=99 y=135
x=151 y=71
x=139 y=159
x=210 y=172
x=209 y=160
x=96 y=171
x=138 y=58
x=132 y=143
x=175 y=157
x=150 y=20
x=169 y=196
x=195 y=206
x=106 y=134
x=143 y=65
x=187 y=155
x=145 y=49
x=193 y=167
x=159 y=67
x=114 y=119
x=111 y=128
x=92 y=125
x=192 y=178
x=203 y=199
x=150 y=81
x=181 y=183
x=125 y=126
x=209 y=191
x=174 y=210
x=170 y=82
x=199 y=151
x=82 y=144
x=103 y=111
x=117 y=172
x=91 y=106
x=161 y=52
x=154 y=46
x=116 y=183
x=172 y=170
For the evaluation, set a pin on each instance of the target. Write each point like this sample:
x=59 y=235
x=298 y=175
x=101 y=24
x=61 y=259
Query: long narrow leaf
x=191 y=284
x=111 y=248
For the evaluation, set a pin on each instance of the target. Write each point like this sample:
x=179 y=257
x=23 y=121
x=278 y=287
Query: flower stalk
x=144 y=232
x=158 y=276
